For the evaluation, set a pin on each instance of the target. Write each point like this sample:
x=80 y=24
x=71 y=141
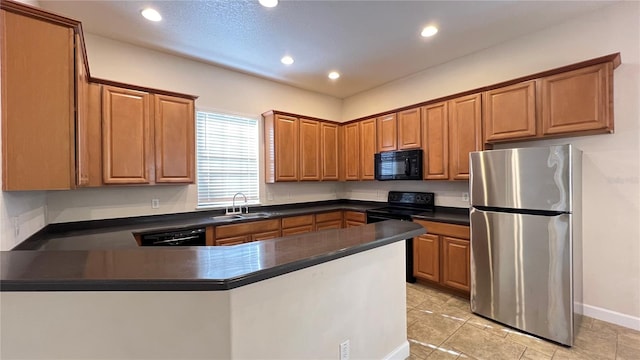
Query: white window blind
x=227 y=159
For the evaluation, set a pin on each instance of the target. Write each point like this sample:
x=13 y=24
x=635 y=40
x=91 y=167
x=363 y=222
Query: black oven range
x=401 y=205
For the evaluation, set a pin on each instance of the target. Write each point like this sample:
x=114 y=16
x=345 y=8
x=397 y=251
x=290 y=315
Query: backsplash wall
x=447 y=193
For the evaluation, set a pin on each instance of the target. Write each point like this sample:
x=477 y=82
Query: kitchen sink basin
x=232 y=217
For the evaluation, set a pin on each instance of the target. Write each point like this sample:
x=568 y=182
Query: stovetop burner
x=401 y=205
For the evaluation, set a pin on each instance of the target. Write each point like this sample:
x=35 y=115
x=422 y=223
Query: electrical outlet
x=269 y=196
x=345 y=349
x=465 y=196
x=155 y=203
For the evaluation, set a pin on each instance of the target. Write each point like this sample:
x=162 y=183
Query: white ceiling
x=369 y=42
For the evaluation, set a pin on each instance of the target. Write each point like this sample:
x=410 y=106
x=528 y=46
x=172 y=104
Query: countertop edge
x=42 y=285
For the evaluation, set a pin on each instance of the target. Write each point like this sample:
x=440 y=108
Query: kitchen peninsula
x=293 y=297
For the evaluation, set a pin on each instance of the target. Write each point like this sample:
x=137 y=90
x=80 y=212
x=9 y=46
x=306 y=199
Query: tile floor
x=441 y=326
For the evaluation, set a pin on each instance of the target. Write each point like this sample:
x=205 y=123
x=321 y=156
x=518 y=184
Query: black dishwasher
x=183 y=237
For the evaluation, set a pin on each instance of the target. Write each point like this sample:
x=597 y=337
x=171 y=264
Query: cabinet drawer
x=297 y=230
x=334 y=224
x=355 y=216
x=235 y=240
x=330 y=216
x=459 y=231
x=224 y=231
x=266 y=235
x=295 y=221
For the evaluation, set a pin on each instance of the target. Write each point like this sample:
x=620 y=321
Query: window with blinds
x=227 y=158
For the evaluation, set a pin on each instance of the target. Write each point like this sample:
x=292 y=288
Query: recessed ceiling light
x=334 y=75
x=151 y=14
x=287 y=60
x=268 y=3
x=429 y=31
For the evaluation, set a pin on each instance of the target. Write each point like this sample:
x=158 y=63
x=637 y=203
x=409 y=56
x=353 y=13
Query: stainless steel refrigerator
x=526 y=269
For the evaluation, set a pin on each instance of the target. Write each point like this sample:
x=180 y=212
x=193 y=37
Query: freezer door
x=521 y=272
x=530 y=178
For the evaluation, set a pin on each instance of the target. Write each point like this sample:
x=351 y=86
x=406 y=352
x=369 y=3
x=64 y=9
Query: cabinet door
x=127 y=154
x=352 y=151
x=265 y=235
x=334 y=224
x=387 y=133
x=329 y=216
x=426 y=257
x=455 y=263
x=38 y=121
x=409 y=129
x=464 y=134
x=82 y=117
x=174 y=139
x=309 y=149
x=236 y=240
x=510 y=112
x=435 y=128
x=367 y=149
x=286 y=148
x=329 y=151
x=579 y=100
x=351 y=223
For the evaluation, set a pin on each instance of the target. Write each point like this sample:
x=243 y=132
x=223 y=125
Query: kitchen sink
x=232 y=217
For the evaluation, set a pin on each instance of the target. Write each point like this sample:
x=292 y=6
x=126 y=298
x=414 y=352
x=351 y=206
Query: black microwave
x=399 y=165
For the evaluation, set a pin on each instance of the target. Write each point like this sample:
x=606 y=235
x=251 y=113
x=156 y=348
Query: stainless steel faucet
x=233 y=206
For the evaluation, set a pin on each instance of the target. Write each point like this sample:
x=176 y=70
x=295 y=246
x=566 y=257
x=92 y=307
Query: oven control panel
x=421 y=199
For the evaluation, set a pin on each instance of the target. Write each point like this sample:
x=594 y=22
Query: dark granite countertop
x=190 y=268
x=114 y=234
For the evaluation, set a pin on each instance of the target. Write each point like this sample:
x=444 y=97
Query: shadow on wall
x=23 y=214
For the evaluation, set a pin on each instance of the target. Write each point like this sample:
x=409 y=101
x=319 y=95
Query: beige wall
x=611 y=195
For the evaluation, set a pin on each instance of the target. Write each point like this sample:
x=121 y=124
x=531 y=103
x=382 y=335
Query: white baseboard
x=400 y=353
x=613 y=317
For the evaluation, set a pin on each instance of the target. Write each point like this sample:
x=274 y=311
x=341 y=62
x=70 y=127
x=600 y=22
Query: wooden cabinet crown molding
x=141 y=88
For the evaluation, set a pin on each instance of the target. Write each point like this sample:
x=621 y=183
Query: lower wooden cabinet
x=330 y=220
x=297 y=225
x=234 y=234
x=235 y=240
x=442 y=256
x=456 y=263
x=354 y=218
x=266 y=235
x=426 y=262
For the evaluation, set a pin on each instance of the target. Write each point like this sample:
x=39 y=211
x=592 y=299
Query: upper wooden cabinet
x=309 y=149
x=300 y=149
x=510 y=112
x=281 y=147
x=352 y=151
x=174 y=139
x=387 y=133
x=146 y=138
x=126 y=136
x=409 y=129
x=367 y=149
x=464 y=134
x=38 y=102
x=578 y=101
x=329 y=151
x=435 y=132
x=359 y=148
